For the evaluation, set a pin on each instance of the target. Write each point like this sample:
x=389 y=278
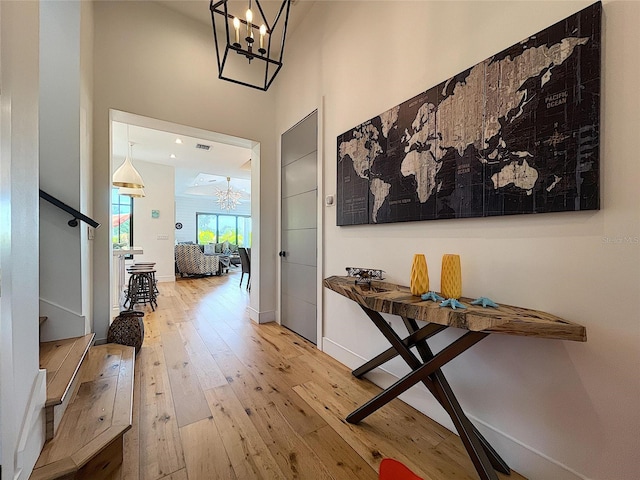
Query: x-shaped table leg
x=426 y=354
x=428 y=372
x=411 y=341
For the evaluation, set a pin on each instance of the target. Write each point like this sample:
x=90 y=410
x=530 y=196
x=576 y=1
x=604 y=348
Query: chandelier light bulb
x=249 y=16
x=263 y=32
x=236 y=26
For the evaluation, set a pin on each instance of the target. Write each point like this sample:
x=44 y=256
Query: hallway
x=218 y=397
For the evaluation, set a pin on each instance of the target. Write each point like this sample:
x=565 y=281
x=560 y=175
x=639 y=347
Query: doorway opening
x=189 y=174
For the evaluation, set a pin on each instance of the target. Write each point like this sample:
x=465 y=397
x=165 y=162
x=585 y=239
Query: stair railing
x=70 y=210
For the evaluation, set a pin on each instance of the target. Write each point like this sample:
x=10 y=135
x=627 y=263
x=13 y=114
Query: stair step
x=88 y=444
x=62 y=360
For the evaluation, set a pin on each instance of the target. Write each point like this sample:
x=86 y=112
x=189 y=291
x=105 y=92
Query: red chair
x=391 y=469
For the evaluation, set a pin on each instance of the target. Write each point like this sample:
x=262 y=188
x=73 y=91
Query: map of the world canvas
x=516 y=133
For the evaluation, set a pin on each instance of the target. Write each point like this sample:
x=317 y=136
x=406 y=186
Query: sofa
x=190 y=260
x=224 y=248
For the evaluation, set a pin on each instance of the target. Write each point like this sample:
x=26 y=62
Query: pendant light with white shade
x=132 y=192
x=126 y=175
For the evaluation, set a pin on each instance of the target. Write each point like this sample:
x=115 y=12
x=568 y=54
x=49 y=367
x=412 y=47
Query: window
x=227 y=229
x=207 y=225
x=244 y=231
x=217 y=228
x=121 y=219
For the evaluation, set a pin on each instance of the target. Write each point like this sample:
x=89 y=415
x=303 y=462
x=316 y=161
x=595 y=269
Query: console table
x=383 y=297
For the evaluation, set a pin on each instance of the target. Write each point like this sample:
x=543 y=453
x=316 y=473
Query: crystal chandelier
x=236 y=36
x=228 y=199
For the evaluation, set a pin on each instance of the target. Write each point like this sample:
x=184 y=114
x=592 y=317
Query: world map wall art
x=516 y=133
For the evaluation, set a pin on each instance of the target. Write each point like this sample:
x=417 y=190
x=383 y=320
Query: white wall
x=65 y=152
x=153 y=62
x=156 y=235
x=22 y=392
x=187 y=207
x=555 y=410
x=86 y=157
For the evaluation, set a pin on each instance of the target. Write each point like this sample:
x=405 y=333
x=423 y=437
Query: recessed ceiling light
x=179 y=141
x=172 y=156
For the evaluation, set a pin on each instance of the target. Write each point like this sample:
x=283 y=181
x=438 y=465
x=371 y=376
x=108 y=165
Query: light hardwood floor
x=219 y=397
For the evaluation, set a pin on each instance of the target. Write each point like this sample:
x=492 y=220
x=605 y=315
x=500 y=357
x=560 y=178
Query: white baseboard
x=521 y=457
x=61 y=322
x=262 y=317
x=166 y=278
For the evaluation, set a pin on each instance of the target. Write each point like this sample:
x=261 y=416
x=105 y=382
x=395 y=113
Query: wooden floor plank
x=160 y=445
x=205 y=366
x=295 y=457
x=211 y=339
x=151 y=328
x=188 y=397
x=338 y=456
x=287 y=343
x=205 y=455
x=179 y=475
x=246 y=450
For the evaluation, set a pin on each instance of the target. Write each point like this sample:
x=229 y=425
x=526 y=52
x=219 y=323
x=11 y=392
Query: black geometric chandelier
x=249 y=48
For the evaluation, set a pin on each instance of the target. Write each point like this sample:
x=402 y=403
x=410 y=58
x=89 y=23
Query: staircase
x=88 y=409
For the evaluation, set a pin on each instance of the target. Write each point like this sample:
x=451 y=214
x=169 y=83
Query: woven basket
x=127 y=329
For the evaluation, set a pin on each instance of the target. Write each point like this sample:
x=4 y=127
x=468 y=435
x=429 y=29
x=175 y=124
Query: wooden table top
x=386 y=297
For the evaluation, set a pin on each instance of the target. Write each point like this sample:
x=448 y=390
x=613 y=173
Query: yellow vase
x=419 y=275
x=451 y=276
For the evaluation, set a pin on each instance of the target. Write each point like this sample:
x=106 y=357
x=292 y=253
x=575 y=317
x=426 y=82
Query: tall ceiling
x=199 y=9
x=197 y=171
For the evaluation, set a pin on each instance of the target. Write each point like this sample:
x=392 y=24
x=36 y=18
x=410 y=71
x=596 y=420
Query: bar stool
x=150 y=265
x=141 y=288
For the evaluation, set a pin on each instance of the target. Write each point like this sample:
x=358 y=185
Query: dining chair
x=246 y=266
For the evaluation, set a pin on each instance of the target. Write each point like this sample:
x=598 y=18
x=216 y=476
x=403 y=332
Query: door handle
x=282 y=253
